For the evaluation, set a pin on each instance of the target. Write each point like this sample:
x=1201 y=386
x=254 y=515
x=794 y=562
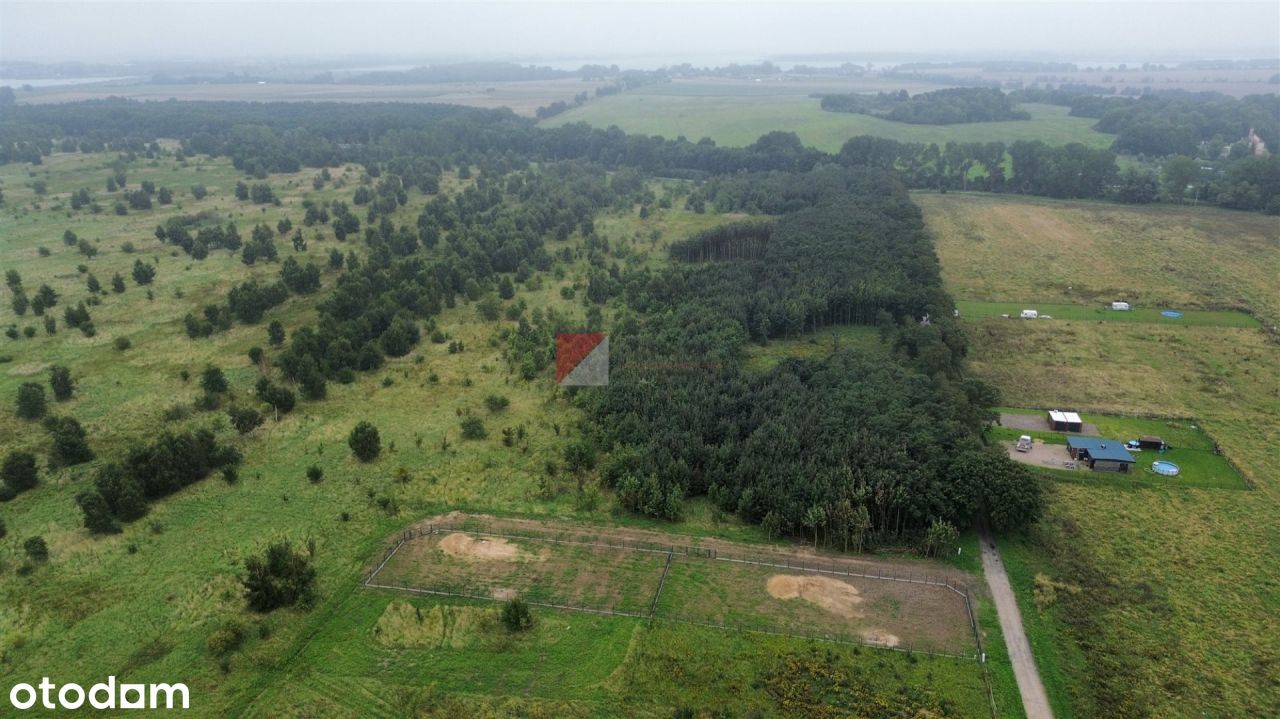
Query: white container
x=1122 y=306
x=1029 y=314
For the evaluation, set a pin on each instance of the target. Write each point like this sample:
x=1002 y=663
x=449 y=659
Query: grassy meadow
x=1005 y=249
x=1140 y=600
x=737 y=115
x=1102 y=312
x=144 y=604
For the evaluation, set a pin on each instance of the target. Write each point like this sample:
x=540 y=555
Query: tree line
x=939 y=107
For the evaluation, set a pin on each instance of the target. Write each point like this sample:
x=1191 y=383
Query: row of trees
x=148 y=472
x=939 y=107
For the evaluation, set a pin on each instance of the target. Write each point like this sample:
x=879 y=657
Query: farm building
x=1064 y=421
x=1102 y=455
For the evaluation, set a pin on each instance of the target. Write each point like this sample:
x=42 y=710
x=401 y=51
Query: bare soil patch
x=1053 y=456
x=479 y=548
x=881 y=638
x=834 y=595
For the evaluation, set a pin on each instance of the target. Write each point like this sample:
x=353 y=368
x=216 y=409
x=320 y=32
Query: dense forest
x=851 y=448
x=939 y=107
x=854 y=448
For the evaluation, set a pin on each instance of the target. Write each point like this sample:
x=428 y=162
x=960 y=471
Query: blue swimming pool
x=1171 y=314
x=1168 y=469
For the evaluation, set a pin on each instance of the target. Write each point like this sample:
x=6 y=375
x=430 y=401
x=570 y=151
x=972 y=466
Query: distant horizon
x=786 y=61
x=666 y=32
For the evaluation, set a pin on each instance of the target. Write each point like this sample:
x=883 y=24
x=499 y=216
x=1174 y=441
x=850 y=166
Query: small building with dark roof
x=1102 y=455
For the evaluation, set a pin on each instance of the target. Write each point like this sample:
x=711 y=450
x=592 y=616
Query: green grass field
x=736 y=116
x=1150 y=582
x=569 y=664
x=813 y=345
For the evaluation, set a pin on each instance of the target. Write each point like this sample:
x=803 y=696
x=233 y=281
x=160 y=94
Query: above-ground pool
x=1168 y=469
x=1171 y=314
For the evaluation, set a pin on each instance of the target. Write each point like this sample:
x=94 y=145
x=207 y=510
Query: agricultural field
x=738 y=116
x=1124 y=586
x=522 y=97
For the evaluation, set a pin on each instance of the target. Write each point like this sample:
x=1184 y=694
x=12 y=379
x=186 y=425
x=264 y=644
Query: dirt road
x=1034 y=699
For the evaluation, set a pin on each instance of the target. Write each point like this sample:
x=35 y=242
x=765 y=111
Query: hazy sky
x=674 y=30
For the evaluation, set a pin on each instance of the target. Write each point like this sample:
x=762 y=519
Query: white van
x=1030 y=314
x=1121 y=306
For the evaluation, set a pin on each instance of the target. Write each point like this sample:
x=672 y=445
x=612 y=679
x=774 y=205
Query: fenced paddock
x=730 y=587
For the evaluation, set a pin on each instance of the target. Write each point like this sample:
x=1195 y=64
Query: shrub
x=3 y=531
x=280 y=398
x=496 y=403
x=516 y=616
x=315 y=474
x=69 y=445
x=213 y=381
x=473 y=428
x=143 y=273
x=97 y=513
x=36 y=549
x=281 y=577
x=19 y=471
x=364 y=442
x=225 y=639
x=31 y=403
x=123 y=343
x=61 y=382
x=245 y=419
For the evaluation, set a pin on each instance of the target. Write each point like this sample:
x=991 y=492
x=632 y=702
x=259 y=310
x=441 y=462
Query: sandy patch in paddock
x=880 y=637
x=466 y=547
x=829 y=593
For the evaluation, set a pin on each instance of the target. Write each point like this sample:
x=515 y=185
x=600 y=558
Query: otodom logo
x=582 y=359
x=104 y=695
